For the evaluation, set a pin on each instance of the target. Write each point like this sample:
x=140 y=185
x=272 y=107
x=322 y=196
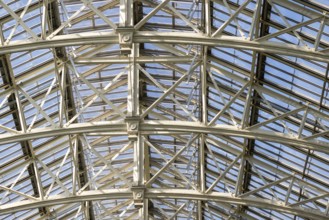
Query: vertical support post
x=244 y=123
x=133 y=111
x=133 y=83
x=207 y=17
x=204 y=103
x=263 y=11
x=205 y=122
x=44 y=19
x=133 y=132
x=204 y=116
x=126 y=13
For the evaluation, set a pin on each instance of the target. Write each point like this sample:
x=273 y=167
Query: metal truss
x=165 y=109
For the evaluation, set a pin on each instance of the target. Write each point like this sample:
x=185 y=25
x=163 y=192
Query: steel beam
x=141 y=59
x=166 y=38
x=130 y=36
x=95 y=195
x=148 y=127
x=258 y=75
x=133 y=106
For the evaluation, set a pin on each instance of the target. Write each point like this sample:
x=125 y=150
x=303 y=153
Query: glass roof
x=173 y=109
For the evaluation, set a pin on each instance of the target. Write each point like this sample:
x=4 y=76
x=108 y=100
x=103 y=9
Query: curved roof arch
x=173 y=109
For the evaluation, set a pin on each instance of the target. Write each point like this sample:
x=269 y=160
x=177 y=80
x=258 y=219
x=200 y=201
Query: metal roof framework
x=173 y=109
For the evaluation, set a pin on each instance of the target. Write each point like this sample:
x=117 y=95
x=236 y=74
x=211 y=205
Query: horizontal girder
x=141 y=59
x=168 y=38
x=95 y=195
x=165 y=127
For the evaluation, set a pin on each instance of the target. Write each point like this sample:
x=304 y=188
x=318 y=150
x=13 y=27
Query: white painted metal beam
x=127 y=33
x=141 y=59
x=148 y=127
x=95 y=195
x=167 y=38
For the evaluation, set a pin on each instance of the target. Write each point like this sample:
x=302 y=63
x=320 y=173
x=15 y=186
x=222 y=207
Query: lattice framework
x=125 y=109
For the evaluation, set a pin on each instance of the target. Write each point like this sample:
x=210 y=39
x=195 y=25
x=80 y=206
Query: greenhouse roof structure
x=172 y=109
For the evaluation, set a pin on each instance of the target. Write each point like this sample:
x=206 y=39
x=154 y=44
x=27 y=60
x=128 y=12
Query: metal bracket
x=132 y=127
x=138 y=195
x=125 y=39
